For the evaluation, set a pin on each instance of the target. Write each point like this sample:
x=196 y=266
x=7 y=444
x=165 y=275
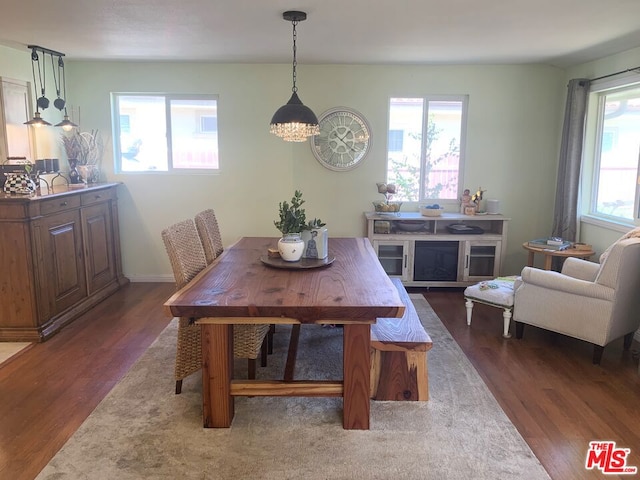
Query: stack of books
x=550 y=243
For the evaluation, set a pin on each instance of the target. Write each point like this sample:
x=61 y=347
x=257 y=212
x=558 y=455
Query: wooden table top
x=238 y=284
x=568 y=252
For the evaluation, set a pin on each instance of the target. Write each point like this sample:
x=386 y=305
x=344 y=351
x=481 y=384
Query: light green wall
x=512 y=145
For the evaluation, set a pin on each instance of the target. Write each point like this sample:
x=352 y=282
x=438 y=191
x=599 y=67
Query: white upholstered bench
x=497 y=293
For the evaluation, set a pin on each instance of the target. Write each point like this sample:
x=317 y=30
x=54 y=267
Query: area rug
x=143 y=430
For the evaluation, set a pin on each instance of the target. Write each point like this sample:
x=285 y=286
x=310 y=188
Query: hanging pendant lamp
x=41 y=102
x=294 y=122
x=61 y=103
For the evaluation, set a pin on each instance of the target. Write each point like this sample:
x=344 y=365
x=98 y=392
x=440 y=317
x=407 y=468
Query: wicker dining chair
x=187 y=258
x=209 y=232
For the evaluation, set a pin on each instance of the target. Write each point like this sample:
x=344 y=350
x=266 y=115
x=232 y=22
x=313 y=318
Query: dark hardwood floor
x=545 y=383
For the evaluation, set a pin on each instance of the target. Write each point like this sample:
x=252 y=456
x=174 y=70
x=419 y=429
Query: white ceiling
x=555 y=32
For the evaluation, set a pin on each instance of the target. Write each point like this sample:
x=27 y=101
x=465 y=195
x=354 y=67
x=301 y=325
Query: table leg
x=290 y=366
x=547 y=262
x=217 y=373
x=530 y=259
x=356 y=376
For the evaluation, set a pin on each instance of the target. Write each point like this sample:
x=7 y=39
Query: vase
x=74 y=176
x=316 y=243
x=19 y=183
x=291 y=247
x=89 y=173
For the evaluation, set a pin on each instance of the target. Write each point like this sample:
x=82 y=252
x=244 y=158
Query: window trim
x=592 y=152
x=168 y=97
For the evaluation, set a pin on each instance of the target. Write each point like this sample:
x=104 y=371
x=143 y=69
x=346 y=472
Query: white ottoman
x=497 y=293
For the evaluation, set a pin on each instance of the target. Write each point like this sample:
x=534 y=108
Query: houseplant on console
x=84 y=152
x=299 y=238
x=292 y=222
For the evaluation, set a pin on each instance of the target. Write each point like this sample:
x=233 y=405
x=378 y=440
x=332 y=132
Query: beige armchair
x=597 y=303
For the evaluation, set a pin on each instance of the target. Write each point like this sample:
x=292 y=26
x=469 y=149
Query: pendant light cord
x=56 y=81
x=294 y=89
x=41 y=76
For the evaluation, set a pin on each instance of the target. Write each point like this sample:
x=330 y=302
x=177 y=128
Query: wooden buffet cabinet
x=59 y=256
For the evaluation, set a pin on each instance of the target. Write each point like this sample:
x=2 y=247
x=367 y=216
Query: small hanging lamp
x=41 y=102
x=61 y=103
x=294 y=122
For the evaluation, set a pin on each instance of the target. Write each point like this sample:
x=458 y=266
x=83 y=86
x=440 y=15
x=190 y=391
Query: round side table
x=549 y=254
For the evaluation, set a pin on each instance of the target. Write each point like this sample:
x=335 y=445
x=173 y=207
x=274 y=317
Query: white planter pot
x=291 y=247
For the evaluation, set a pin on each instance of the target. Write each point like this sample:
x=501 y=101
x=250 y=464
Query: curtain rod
x=614 y=74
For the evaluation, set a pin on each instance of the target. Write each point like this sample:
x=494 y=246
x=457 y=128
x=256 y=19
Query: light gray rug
x=143 y=430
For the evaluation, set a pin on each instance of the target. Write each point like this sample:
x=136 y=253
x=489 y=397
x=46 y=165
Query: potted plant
x=291 y=223
x=84 y=151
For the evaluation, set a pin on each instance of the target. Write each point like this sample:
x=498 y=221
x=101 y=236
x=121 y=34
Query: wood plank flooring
x=545 y=383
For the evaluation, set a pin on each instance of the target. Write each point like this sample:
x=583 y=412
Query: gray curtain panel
x=565 y=219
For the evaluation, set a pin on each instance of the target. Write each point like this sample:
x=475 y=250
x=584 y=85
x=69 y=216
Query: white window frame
x=167 y=98
x=592 y=146
x=464 y=99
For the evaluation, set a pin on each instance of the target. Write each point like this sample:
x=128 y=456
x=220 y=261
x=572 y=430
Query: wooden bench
x=399 y=355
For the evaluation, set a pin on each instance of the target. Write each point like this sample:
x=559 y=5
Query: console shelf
x=427 y=252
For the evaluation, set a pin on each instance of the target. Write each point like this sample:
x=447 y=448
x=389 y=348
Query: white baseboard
x=150 y=278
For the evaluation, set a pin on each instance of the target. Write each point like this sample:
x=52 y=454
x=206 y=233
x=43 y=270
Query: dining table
x=348 y=288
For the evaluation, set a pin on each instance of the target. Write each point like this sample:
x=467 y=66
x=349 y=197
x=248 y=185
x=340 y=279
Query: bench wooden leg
x=399 y=375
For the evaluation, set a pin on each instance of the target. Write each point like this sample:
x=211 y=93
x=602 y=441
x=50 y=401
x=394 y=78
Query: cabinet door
x=63 y=265
x=481 y=260
x=395 y=257
x=97 y=223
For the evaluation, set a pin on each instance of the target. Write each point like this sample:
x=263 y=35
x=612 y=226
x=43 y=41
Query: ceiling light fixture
x=294 y=122
x=59 y=81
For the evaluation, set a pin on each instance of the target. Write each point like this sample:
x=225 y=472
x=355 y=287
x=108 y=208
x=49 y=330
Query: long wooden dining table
x=238 y=287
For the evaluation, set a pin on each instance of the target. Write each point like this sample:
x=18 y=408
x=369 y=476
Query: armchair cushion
x=563 y=283
x=582 y=269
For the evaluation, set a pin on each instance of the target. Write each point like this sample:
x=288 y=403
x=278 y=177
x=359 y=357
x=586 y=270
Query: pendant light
x=294 y=122
x=59 y=80
x=61 y=103
x=41 y=102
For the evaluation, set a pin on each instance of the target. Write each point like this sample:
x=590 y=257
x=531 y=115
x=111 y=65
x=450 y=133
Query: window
x=616 y=146
x=395 y=140
x=165 y=133
x=425 y=147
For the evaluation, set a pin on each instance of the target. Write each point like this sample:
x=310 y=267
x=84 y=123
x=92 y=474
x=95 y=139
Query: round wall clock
x=344 y=139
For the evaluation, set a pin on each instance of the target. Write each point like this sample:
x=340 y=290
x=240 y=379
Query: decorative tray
x=302 y=264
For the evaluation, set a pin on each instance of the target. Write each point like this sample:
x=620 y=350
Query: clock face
x=344 y=139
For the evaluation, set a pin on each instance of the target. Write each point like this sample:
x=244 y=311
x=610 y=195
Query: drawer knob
x=63 y=204
x=98 y=197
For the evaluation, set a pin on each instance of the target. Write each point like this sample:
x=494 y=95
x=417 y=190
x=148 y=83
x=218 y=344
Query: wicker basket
x=387 y=207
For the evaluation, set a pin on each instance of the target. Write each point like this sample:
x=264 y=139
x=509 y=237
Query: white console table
x=422 y=252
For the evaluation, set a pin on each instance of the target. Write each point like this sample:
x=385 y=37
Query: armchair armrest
x=582 y=269
x=564 y=283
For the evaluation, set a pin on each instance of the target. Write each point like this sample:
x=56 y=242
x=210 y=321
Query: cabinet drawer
x=54 y=205
x=97 y=196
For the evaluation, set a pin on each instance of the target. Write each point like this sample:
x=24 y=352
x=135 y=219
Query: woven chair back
x=185 y=251
x=209 y=232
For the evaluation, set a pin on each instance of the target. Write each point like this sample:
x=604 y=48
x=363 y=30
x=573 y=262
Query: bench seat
x=399 y=355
